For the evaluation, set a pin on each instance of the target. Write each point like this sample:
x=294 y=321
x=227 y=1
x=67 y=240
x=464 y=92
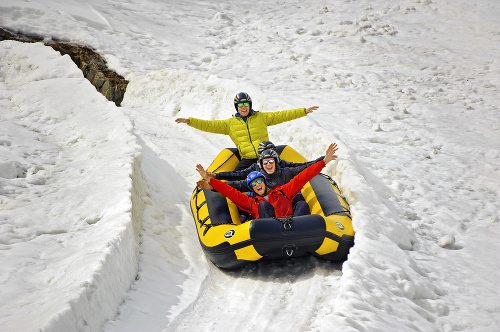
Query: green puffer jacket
x=247 y=135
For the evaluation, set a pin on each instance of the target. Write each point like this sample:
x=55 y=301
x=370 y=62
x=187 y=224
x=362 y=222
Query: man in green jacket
x=247 y=128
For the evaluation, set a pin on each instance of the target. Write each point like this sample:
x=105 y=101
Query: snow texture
x=96 y=232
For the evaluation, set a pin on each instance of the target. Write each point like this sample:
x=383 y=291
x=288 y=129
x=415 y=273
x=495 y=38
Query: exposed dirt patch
x=93 y=66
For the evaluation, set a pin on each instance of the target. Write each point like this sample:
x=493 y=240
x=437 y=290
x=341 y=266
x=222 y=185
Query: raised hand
x=330 y=153
x=182 y=120
x=203 y=172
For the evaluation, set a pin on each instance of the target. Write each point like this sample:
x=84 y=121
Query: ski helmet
x=266 y=145
x=242 y=97
x=268 y=154
x=254 y=175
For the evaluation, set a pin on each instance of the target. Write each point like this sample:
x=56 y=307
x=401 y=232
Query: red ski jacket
x=280 y=197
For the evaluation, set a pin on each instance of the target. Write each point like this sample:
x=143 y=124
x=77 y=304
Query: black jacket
x=281 y=176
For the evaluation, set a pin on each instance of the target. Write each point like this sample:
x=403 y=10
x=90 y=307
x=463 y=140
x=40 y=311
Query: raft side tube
x=217 y=208
x=333 y=206
x=324 y=192
x=287 y=153
x=226 y=161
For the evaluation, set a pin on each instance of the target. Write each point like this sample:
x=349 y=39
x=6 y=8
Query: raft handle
x=289 y=249
x=287 y=222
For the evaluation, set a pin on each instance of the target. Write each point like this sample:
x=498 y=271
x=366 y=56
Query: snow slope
x=409 y=91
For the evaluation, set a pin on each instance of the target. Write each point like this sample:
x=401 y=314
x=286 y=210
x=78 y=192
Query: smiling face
x=259 y=188
x=244 y=111
x=269 y=165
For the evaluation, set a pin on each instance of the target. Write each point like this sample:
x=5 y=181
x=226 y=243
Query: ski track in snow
x=397 y=91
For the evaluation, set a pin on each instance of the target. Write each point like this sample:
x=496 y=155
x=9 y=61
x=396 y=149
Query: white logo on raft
x=229 y=234
x=339 y=225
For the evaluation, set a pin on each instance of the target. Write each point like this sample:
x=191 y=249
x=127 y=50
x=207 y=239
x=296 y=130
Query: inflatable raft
x=230 y=244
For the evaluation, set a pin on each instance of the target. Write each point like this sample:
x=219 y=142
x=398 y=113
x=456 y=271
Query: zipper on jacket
x=250 y=136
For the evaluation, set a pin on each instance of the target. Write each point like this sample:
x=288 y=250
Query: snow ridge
x=77 y=148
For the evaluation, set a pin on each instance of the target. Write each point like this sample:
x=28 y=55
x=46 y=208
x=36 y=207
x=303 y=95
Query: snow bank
x=70 y=188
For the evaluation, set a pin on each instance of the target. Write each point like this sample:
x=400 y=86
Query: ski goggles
x=265 y=162
x=243 y=104
x=254 y=183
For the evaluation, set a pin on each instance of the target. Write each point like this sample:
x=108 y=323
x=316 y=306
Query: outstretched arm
x=210 y=126
x=274 y=118
x=238 y=198
x=296 y=184
x=235 y=175
x=296 y=168
x=207 y=176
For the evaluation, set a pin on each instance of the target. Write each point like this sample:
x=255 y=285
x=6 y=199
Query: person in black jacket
x=280 y=164
x=269 y=165
x=267 y=203
x=275 y=175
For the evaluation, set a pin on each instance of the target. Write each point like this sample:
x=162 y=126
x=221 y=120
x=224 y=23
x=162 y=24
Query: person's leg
x=301 y=209
x=299 y=197
x=266 y=210
x=245 y=163
x=244 y=216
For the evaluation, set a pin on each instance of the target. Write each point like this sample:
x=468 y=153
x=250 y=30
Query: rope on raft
x=347 y=211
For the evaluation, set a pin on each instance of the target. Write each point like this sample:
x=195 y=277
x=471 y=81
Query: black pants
x=245 y=163
x=266 y=210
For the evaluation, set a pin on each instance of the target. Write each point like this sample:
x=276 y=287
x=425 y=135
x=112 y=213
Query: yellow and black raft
x=230 y=244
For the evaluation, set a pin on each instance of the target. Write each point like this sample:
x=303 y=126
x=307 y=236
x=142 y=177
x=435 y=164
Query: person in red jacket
x=267 y=202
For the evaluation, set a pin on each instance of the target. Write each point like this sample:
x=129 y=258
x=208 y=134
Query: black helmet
x=242 y=97
x=269 y=154
x=266 y=145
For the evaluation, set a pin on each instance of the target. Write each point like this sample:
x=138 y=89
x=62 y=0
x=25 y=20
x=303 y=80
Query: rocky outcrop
x=93 y=66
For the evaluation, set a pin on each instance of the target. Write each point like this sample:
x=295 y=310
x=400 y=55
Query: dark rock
x=92 y=65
